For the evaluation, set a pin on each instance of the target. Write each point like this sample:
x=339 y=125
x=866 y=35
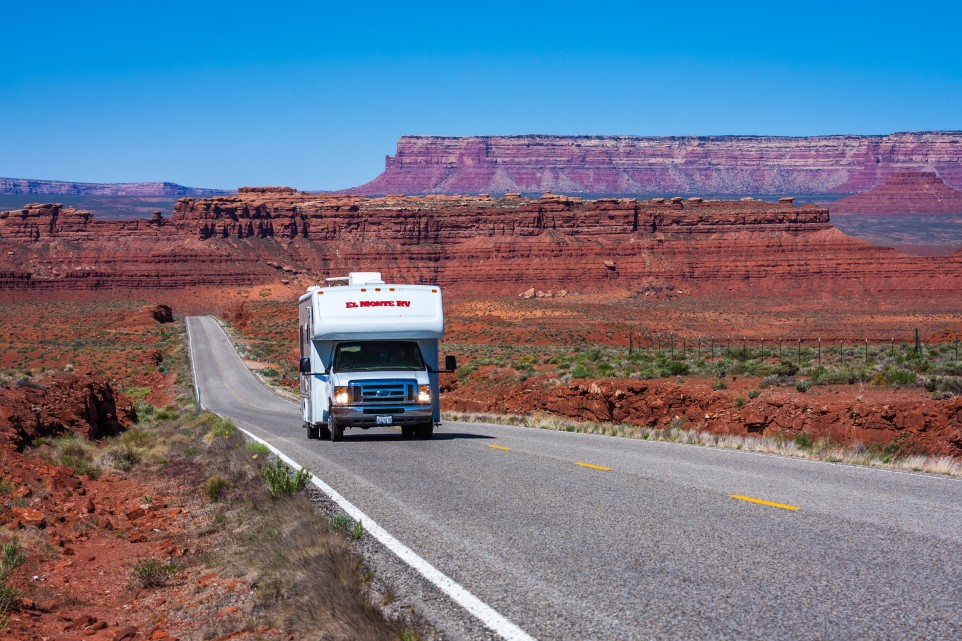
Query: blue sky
x=314 y=96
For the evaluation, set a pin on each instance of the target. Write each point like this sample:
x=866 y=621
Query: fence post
x=918 y=342
x=799 y=352
x=866 y=352
x=699 y=348
x=779 y=349
x=630 y=342
x=711 y=341
x=744 y=348
x=956 y=346
x=672 y=343
x=819 y=352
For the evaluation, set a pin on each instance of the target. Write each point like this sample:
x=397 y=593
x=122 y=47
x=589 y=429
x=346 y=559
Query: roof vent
x=365 y=278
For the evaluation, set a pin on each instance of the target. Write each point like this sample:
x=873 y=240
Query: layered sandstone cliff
x=650 y=165
x=479 y=244
x=905 y=192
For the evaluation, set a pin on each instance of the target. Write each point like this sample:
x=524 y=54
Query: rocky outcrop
x=64 y=188
x=80 y=402
x=905 y=192
x=926 y=426
x=648 y=165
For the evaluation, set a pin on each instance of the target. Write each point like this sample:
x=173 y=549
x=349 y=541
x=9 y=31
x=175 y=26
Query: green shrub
x=151 y=573
x=215 y=487
x=81 y=466
x=258 y=448
x=580 y=371
x=803 y=385
x=804 y=441
x=739 y=402
x=785 y=368
x=11 y=559
x=280 y=482
x=136 y=437
x=719 y=385
x=753 y=393
x=145 y=411
x=676 y=368
x=341 y=523
x=902 y=377
x=124 y=456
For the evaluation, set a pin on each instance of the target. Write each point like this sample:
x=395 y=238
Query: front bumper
x=365 y=416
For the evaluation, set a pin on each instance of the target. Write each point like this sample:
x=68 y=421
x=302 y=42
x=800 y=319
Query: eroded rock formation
x=79 y=402
x=905 y=192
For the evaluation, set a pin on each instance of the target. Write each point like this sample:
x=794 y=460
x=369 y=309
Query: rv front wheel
x=337 y=432
x=313 y=431
x=425 y=431
x=325 y=431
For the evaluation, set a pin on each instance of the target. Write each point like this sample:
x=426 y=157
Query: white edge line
x=484 y=613
x=481 y=610
x=190 y=355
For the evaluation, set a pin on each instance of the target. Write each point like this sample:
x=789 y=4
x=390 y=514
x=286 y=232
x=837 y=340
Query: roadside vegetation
x=800 y=445
x=936 y=367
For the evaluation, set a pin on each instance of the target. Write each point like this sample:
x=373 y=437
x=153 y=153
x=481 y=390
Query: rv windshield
x=371 y=356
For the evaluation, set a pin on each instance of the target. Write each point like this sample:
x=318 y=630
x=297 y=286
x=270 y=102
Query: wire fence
x=803 y=350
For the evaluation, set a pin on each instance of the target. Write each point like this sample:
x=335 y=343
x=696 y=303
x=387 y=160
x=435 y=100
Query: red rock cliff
x=650 y=165
x=480 y=244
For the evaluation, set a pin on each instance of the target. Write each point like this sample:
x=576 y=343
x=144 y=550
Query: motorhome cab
x=369 y=356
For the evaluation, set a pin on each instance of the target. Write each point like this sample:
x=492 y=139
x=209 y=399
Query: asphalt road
x=655 y=547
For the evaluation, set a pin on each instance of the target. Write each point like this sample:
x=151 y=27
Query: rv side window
x=372 y=356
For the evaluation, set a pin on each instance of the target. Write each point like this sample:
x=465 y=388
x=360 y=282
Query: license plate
x=384 y=420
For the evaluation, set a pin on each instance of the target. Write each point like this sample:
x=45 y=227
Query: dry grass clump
x=307 y=575
x=799 y=446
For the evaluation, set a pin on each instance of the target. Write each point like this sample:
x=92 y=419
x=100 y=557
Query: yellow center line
x=500 y=447
x=593 y=467
x=752 y=500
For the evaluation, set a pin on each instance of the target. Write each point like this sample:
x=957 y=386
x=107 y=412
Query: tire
x=425 y=432
x=407 y=431
x=313 y=431
x=337 y=432
x=325 y=431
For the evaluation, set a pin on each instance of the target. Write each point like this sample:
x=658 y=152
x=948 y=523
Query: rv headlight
x=424 y=394
x=340 y=396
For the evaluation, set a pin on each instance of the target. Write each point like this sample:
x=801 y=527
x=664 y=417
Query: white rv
x=369 y=356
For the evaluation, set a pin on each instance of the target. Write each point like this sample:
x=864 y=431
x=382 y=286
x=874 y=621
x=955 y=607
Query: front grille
x=384 y=391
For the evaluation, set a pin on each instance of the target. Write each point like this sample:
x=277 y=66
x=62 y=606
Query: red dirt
x=83 y=536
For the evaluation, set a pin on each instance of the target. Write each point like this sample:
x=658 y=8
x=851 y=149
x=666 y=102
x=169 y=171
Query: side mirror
x=305 y=366
x=450 y=362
